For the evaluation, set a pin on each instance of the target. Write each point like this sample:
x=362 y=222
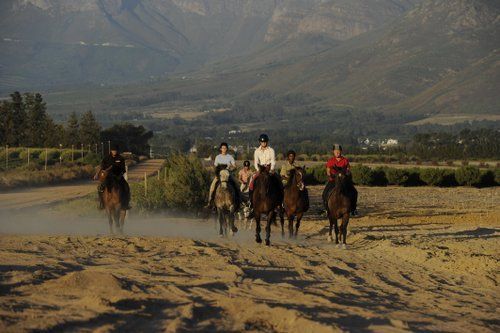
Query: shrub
x=316 y=175
x=34 y=154
x=497 y=176
x=397 y=176
x=153 y=200
x=486 y=179
x=52 y=156
x=187 y=182
x=302 y=157
x=438 y=177
x=66 y=155
x=468 y=175
x=363 y=175
x=89 y=158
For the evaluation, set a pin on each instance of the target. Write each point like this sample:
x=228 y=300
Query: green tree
x=90 y=130
x=36 y=120
x=129 y=137
x=72 y=130
x=18 y=119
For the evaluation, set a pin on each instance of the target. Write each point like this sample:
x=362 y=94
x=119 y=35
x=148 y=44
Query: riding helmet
x=263 y=138
x=246 y=163
x=292 y=152
x=115 y=146
x=337 y=147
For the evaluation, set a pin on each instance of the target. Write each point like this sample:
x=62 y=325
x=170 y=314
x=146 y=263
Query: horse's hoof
x=338 y=246
x=258 y=240
x=234 y=230
x=330 y=238
x=344 y=246
x=268 y=242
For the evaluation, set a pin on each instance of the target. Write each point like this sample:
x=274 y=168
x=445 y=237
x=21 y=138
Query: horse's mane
x=342 y=184
x=111 y=182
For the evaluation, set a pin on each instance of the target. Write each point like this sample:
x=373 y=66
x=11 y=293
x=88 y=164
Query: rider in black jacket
x=117 y=164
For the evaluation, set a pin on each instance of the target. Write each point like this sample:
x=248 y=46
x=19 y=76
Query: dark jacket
x=117 y=162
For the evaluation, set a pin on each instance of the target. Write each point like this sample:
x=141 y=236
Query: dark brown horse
x=112 y=200
x=296 y=201
x=339 y=207
x=267 y=198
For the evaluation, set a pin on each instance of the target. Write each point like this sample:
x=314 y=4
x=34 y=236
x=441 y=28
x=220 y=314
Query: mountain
x=440 y=57
x=47 y=43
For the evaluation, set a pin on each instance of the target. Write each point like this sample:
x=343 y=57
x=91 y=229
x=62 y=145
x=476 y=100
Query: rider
x=117 y=164
x=222 y=161
x=264 y=156
x=335 y=165
x=244 y=176
x=287 y=166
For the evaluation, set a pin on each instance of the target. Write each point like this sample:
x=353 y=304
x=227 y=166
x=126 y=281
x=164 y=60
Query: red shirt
x=341 y=163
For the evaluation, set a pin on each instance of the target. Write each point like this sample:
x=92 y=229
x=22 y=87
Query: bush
x=438 y=177
x=363 y=175
x=153 y=200
x=34 y=154
x=187 y=182
x=486 y=179
x=397 y=176
x=468 y=175
x=497 y=176
x=52 y=156
x=66 y=155
x=316 y=175
x=90 y=159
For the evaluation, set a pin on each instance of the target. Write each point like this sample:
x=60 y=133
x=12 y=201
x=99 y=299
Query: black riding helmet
x=246 y=163
x=292 y=152
x=337 y=147
x=263 y=138
x=115 y=146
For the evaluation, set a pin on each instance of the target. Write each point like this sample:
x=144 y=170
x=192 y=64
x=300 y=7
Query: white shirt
x=224 y=159
x=264 y=157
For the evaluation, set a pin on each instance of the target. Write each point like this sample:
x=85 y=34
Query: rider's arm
x=232 y=163
x=256 y=159
x=273 y=159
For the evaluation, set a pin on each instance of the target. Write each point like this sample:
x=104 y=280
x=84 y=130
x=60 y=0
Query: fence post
x=6 y=157
x=72 y=152
x=158 y=174
x=165 y=174
x=46 y=153
x=145 y=184
x=28 y=156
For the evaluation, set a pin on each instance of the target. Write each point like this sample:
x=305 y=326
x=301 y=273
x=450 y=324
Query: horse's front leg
x=345 y=222
x=117 y=215
x=271 y=218
x=336 y=226
x=290 y=226
x=123 y=214
x=220 y=219
x=330 y=219
x=282 y=220
x=257 y=229
x=110 y=221
x=297 y=225
x=231 y=221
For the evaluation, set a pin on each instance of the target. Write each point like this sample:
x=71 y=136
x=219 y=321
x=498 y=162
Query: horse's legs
x=271 y=218
x=220 y=219
x=117 y=221
x=257 y=229
x=330 y=238
x=345 y=222
x=123 y=214
x=290 y=225
x=282 y=220
x=336 y=226
x=297 y=225
x=110 y=221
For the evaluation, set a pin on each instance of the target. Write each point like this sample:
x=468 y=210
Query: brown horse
x=296 y=201
x=339 y=206
x=226 y=203
x=112 y=200
x=267 y=198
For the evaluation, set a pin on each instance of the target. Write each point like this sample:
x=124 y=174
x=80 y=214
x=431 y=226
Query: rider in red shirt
x=336 y=164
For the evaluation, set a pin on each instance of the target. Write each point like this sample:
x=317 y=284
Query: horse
x=226 y=203
x=295 y=203
x=267 y=197
x=112 y=198
x=339 y=205
x=245 y=211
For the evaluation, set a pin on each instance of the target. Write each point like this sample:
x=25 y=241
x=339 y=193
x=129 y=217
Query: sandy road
x=420 y=259
x=39 y=196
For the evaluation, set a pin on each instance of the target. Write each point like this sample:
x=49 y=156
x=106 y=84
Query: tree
x=129 y=137
x=18 y=119
x=37 y=120
x=72 y=130
x=89 y=129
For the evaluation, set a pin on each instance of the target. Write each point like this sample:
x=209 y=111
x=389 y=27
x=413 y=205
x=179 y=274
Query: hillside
x=46 y=43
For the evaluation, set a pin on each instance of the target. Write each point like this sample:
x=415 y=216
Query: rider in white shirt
x=263 y=156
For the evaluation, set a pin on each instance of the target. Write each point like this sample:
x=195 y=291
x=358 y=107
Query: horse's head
x=224 y=177
x=341 y=177
x=103 y=174
x=298 y=175
x=263 y=169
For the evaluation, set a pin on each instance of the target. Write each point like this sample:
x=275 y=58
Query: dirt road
x=420 y=259
x=39 y=196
